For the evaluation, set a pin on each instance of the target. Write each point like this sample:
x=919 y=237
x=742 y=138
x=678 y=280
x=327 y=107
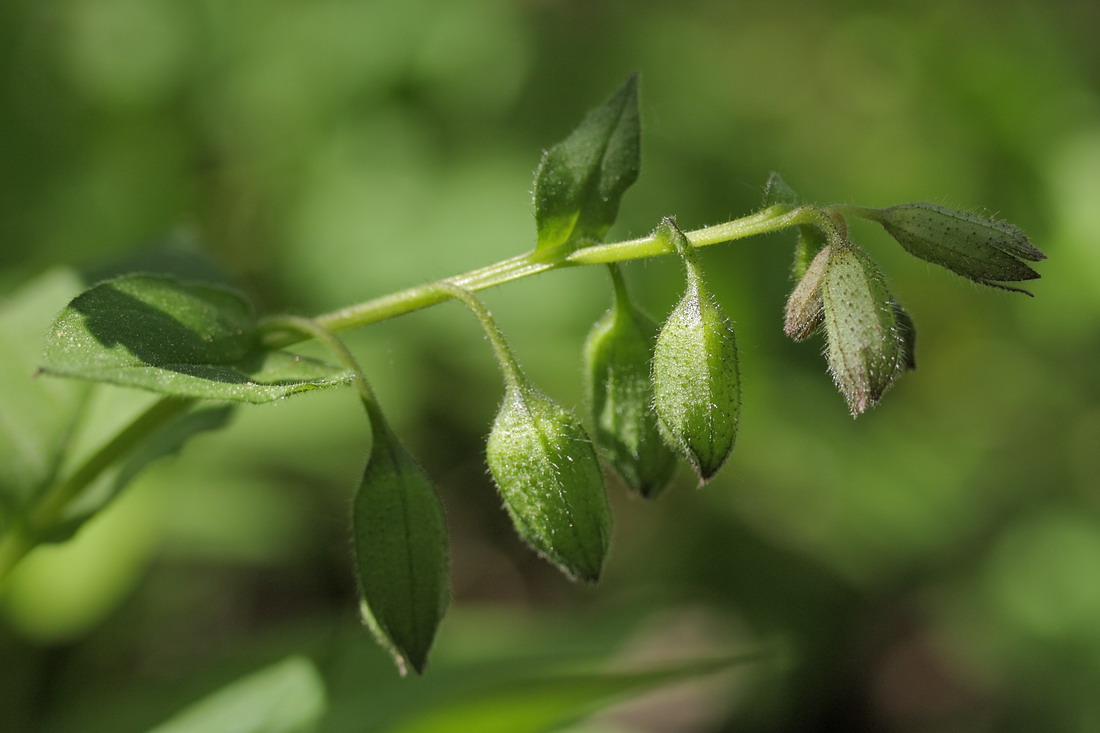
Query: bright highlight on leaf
x=580 y=181
x=183 y=339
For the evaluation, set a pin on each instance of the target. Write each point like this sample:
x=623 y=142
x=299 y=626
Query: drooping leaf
x=579 y=181
x=549 y=477
x=618 y=354
x=178 y=338
x=400 y=550
x=287 y=697
x=984 y=250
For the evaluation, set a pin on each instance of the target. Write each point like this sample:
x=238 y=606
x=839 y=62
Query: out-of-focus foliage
x=930 y=566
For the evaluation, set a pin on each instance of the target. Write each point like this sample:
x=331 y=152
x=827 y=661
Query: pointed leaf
x=184 y=339
x=400 y=550
x=580 y=181
x=776 y=191
x=984 y=250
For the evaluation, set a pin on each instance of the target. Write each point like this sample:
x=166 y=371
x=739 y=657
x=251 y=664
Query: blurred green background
x=933 y=566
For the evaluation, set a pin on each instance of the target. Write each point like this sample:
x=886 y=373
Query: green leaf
x=400 y=550
x=579 y=181
x=287 y=697
x=984 y=250
x=37 y=416
x=776 y=191
x=537 y=705
x=178 y=338
x=549 y=477
x=617 y=355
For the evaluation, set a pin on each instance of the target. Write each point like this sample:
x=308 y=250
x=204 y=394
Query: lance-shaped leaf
x=579 y=181
x=549 y=477
x=618 y=354
x=805 y=309
x=984 y=250
x=865 y=346
x=696 y=377
x=179 y=338
x=400 y=550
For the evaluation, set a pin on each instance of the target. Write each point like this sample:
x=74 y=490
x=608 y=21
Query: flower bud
x=696 y=379
x=617 y=355
x=549 y=477
x=865 y=345
x=805 y=311
x=984 y=250
x=400 y=550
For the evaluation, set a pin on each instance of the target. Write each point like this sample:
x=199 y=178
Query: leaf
x=37 y=416
x=536 y=705
x=579 y=181
x=400 y=550
x=287 y=697
x=776 y=191
x=984 y=250
x=178 y=338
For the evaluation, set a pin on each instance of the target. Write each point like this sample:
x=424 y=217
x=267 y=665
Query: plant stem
x=275 y=334
x=51 y=507
x=771 y=219
x=513 y=375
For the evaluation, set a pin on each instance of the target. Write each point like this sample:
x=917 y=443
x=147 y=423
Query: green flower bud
x=400 y=550
x=549 y=477
x=617 y=357
x=865 y=345
x=984 y=250
x=805 y=310
x=696 y=379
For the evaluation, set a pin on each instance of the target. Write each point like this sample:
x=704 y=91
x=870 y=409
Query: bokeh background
x=932 y=566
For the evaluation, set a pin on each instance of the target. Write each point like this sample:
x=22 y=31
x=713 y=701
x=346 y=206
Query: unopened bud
x=865 y=346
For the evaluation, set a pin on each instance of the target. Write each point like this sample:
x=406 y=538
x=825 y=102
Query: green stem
x=771 y=219
x=51 y=507
x=513 y=374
